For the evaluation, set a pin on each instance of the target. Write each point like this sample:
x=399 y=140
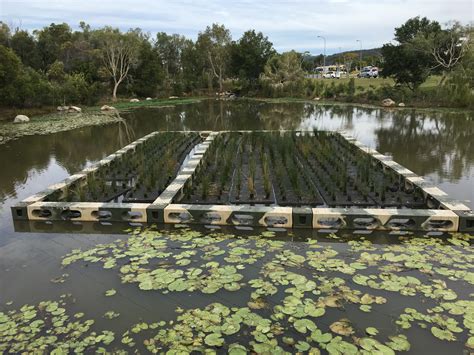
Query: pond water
x=437 y=145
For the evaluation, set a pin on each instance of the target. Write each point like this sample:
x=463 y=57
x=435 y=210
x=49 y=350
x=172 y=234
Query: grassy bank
x=362 y=84
x=54 y=122
x=430 y=94
x=375 y=105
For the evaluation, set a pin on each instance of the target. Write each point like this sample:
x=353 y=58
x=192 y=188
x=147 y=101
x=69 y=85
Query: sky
x=288 y=24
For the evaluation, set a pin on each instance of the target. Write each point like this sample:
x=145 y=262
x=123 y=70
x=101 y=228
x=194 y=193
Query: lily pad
x=214 y=339
x=110 y=292
x=371 y=331
x=342 y=327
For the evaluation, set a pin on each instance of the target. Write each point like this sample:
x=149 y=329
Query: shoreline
x=92 y=116
x=326 y=102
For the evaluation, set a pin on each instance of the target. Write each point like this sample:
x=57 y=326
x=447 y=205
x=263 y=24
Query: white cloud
x=288 y=24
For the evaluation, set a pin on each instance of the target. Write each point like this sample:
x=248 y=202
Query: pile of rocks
x=107 y=108
x=69 y=109
x=391 y=103
x=226 y=95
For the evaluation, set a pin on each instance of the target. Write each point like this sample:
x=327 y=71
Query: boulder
x=134 y=100
x=173 y=97
x=74 y=109
x=21 y=119
x=148 y=99
x=401 y=104
x=388 y=103
x=317 y=99
x=62 y=108
x=107 y=108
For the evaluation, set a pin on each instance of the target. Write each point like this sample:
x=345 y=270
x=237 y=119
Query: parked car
x=332 y=75
x=369 y=72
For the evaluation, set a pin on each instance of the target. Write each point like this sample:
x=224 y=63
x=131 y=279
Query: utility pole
x=360 y=54
x=324 y=55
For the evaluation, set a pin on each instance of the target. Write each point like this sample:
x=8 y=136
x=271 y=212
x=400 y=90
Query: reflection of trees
x=71 y=150
x=282 y=115
x=125 y=133
x=425 y=143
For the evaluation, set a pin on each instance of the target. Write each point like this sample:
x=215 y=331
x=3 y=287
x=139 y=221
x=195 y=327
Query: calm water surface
x=436 y=145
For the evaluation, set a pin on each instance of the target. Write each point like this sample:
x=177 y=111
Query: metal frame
x=444 y=214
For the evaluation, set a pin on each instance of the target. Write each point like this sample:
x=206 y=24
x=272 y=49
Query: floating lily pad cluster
x=295 y=295
x=47 y=327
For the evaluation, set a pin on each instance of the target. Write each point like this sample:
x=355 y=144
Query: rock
x=134 y=100
x=317 y=99
x=401 y=104
x=73 y=109
x=388 y=103
x=21 y=119
x=173 y=97
x=148 y=99
x=107 y=108
x=62 y=108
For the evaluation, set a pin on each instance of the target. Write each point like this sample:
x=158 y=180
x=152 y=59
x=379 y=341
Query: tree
x=53 y=44
x=404 y=62
x=307 y=62
x=284 y=71
x=5 y=34
x=404 y=65
x=415 y=27
x=169 y=49
x=194 y=65
x=319 y=60
x=21 y=86
x=25 y=47
x=447 y=47
x=10 y=68
x=349 y=60
x=148 y=73
x=215 y=43
x=119 y=54
x=250 y=54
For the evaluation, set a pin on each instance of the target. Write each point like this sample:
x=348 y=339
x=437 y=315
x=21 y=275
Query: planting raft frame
x=443 y=214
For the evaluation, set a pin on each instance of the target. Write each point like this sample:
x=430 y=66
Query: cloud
x=288 y=24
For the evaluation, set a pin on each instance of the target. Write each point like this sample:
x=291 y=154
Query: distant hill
x=374 y=52
x=332 y=59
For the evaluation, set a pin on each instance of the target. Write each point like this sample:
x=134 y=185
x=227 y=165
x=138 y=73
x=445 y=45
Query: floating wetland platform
x=274 y=179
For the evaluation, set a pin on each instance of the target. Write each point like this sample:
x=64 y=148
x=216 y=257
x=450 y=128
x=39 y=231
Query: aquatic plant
x=295 y=301
x=251 y=187
x=48 y=327
x=205 y=187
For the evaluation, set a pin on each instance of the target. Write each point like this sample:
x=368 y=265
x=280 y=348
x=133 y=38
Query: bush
x=32 y=89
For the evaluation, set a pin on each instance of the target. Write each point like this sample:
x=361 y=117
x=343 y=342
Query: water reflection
x=434 y=143
x=437 y=144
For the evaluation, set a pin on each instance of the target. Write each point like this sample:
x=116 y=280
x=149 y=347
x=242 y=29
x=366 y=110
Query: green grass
x=121 y=105
x=362 y=82
x=365 y=83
